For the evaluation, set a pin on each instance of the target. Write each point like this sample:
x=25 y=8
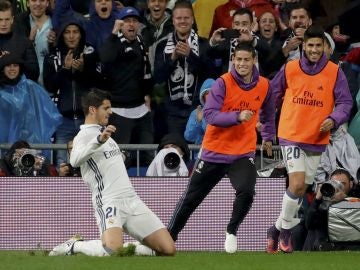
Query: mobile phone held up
x=230 y=33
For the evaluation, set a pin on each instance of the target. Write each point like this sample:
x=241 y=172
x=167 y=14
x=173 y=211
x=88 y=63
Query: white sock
x=90 y=248
x=296 y=220
x=289 y=208
x=142 y=250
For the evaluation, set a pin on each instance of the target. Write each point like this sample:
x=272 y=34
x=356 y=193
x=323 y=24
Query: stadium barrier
x=39 y=213
x=138 y=148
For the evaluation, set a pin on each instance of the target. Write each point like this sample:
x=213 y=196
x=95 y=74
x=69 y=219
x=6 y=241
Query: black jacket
x=152 y=33
x=200 y=65
x=66 y=85
x=124 y=66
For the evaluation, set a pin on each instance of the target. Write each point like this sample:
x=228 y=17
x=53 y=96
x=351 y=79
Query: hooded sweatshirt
x=98 y=29
x=195 y=129
x=68 y=85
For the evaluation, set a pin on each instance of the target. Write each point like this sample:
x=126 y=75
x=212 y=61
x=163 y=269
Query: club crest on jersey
x=110 y=220
x=290 y=164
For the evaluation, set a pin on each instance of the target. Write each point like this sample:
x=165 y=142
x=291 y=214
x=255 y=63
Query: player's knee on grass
x=161 y=242
x=111 y=245
x=167 y=250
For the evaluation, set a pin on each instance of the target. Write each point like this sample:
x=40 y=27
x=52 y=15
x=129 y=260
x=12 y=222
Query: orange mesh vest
x=308 y=101
x=238 y=139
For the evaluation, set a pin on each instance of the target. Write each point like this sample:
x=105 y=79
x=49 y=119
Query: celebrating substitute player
x=232 y=110
x=316 y=99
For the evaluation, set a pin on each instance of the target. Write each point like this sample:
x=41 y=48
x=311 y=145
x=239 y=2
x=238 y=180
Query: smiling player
x=232 y=110
x=316 y=99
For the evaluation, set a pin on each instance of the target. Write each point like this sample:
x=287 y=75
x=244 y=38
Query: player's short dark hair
x=94 y=97
x=245 y=46
x=314 y=32
x=244 y=11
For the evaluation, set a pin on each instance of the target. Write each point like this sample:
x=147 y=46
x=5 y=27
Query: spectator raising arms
x=126 y=62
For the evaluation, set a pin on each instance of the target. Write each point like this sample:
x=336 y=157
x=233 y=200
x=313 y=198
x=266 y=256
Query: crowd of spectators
x=159 y=59
x=153 y=56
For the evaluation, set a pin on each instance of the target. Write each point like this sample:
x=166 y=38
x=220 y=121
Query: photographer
x=334 y=190
x=65 y=169
x=21 y=160
x=170 y=160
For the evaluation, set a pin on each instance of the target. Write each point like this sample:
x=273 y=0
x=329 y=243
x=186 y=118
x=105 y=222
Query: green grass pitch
x=185 y=260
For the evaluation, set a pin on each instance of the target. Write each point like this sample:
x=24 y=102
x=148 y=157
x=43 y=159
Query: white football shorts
x=130 y=214
x=299 y=160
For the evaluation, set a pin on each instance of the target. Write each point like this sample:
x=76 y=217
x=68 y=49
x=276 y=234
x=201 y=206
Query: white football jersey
x=102 y=166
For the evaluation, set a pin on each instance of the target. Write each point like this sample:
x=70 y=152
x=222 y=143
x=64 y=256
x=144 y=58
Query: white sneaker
x=230 y=243
x=66 y=248
x=142 y=250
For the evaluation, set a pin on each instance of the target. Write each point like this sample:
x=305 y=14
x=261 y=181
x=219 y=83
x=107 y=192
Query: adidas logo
x=320 y=88
x=257 y=98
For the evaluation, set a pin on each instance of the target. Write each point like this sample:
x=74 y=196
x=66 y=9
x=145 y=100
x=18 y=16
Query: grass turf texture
x=184 y=260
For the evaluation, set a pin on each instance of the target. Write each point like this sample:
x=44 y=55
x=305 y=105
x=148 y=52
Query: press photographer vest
x=238 y=139
x=308 y=101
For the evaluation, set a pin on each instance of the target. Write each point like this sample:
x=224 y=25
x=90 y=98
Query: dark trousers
x=206 y=175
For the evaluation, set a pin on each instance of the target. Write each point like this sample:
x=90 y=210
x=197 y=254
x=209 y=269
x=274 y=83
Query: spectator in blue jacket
x=27 y=112
x=196 y=125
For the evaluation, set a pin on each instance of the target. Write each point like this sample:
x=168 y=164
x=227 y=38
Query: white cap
x=331 y=41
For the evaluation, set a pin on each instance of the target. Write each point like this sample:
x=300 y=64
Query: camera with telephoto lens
x=24 y=162
x=172 y=161
x=329 y=188
x=328 y=191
